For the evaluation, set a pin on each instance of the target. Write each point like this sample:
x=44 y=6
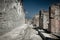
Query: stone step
x=47 y=36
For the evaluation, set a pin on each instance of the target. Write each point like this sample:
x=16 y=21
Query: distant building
x=54 y=15
x=28 y=21
x=36 y=20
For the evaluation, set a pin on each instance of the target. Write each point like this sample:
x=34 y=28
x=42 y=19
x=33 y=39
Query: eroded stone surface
x=11 y=15
x=25 y=32
x=55 y=19
x=12 y=22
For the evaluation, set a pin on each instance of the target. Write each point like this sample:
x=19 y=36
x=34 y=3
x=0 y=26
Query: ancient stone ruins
x=49 y=21
x=14 y=26
x=12 y=22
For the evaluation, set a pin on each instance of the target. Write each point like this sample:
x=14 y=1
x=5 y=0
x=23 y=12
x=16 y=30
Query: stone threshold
x=47 y=36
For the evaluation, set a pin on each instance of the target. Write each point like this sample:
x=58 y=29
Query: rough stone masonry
x=11 y=15
x=55 y=19
x=12 y=22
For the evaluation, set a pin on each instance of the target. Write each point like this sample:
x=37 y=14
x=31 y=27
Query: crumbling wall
x=45 y=19
x=36 y=20
x=40 y=20
x=55 y=19
x=11 y=15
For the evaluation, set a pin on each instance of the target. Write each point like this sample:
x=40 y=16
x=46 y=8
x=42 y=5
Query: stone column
x=45 y=19
x=55 y=19
x=41 y=20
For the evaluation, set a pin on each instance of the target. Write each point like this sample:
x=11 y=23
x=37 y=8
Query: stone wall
x=55 y=19
x=28 y=21
x=40 y=19
x=45 y=19
x=11 y=15
x=36 y=20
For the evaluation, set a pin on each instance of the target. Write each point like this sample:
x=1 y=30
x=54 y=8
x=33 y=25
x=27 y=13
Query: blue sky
x=32 y=7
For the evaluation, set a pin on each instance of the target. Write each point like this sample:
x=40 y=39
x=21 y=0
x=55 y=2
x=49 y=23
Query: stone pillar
x=55 y=19
x=11 y=15
x=45 y=19
x=41 y=20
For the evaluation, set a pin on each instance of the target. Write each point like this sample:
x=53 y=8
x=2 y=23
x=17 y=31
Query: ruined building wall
x=55 y=19
x=36 y=20
x=40 y=19
x=28 y=21
x=45 y=19
x=11 y=15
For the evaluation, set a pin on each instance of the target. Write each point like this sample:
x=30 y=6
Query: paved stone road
x=24 y=32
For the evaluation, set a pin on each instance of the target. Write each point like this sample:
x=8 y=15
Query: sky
x=33 y=7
